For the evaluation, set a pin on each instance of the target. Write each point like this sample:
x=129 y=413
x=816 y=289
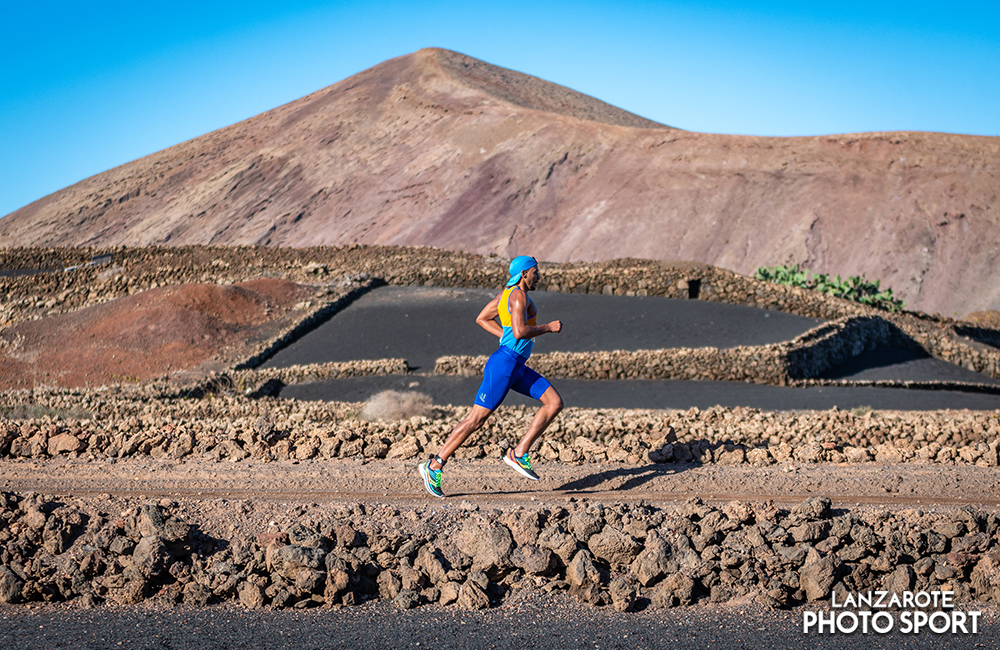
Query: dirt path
x=490 y=484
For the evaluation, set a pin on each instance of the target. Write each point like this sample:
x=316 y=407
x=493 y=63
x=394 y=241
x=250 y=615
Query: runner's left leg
x=473 y=422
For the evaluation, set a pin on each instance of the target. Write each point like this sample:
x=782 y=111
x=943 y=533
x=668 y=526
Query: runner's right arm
x=519 y=324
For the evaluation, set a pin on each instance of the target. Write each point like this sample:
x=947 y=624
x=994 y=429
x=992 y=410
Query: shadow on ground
x=608 y=480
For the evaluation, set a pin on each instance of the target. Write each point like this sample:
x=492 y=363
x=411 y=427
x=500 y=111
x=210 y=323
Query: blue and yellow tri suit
x=522 y=347
x=505 y=368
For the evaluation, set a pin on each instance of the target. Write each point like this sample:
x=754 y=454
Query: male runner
x=505 y=370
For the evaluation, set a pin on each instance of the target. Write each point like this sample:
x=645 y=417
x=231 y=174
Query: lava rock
x=614 y=546
x=407 y=599
x=472 y=597
x=653 y=561
x=488 y=543
x=151 y=557
x=10 y=586
x=533 y=560
x=816 y=579
x=250 y=595
x=581 y=572
x=196 y=594
x=901 y=579
x=623 y=594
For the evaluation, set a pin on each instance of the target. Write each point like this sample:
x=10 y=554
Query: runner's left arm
x=487 y=318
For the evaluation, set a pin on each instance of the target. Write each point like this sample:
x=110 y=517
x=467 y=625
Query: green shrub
x=856 y=288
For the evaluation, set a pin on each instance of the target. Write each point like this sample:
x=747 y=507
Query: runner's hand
x=555 y=326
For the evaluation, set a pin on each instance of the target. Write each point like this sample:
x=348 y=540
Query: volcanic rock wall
x=119 y=423
x=617 y=555
x=805 y=357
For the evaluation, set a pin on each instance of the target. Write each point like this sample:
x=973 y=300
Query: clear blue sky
x=86 y=86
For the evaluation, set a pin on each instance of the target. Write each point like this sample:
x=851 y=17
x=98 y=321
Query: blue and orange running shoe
x=521 y=464
x=431 y=478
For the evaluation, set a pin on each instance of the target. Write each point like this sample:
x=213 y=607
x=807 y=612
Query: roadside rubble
x=618 y=555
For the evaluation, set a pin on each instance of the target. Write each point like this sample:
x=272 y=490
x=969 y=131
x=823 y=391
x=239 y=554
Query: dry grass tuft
x=396 y=405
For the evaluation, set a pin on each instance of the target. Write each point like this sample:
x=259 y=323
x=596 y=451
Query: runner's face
x=531 y=277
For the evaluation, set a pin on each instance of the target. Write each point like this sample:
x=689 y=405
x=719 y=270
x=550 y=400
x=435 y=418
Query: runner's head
x=518 y=266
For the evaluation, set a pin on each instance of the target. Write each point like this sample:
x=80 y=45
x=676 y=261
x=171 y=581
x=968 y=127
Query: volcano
x=439 y=149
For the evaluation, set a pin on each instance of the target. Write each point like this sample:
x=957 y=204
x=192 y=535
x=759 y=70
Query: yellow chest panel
x=504 y=309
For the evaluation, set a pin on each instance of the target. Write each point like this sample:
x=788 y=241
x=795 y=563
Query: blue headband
x=519 y=265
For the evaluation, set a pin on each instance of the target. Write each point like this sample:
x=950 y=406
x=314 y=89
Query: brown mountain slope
x=435 y=148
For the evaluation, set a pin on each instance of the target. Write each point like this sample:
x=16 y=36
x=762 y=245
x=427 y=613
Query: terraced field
x=874 y=466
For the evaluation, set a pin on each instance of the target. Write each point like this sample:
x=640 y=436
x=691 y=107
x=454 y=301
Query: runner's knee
x=477 y=419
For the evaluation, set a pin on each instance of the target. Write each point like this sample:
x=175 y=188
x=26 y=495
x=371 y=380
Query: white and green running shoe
x=522 y=464
x=431 y=478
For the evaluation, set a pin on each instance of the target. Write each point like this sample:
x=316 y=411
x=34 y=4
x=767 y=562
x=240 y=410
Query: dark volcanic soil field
x=420 y=324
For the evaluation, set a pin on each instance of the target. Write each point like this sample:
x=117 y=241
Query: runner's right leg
x=552 y=404
x=496 y=382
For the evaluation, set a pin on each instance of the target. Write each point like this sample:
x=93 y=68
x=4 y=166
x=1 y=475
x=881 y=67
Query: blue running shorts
x=505 y=370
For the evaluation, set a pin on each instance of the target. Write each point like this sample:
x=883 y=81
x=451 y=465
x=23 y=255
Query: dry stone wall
x=762 y=364
x=836 y=342
x=989 y=389
x=119 y=423
x=615 y=555
x=789 y=363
